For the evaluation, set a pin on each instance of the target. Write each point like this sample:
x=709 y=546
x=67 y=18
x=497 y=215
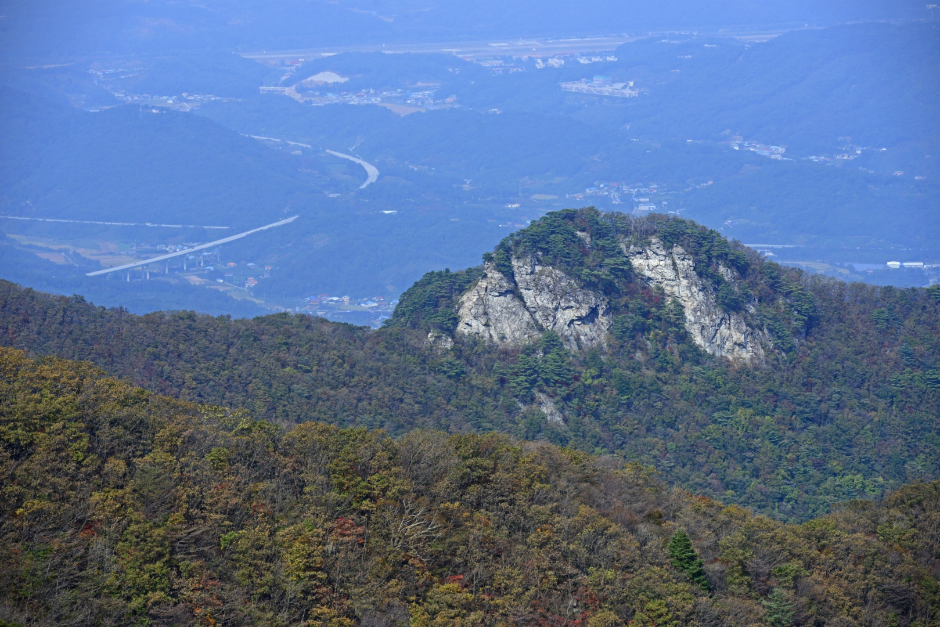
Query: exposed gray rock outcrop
x=537 y=298
x=714 y=330
x=550 y=300
x=440 y=341
x=548 y=408
x=580 y=317
x=490 y=310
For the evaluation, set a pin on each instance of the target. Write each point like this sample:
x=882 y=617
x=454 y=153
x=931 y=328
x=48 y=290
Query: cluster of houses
x=323 y=299
x=557 y=62
x=601 y=86
x=615 y=191
x=232 y=275
x=774 y=152
x=184 y=102
x=324 y=89
x=172 y=248
x=324 y=303
x=849 y=152
x=326 y=299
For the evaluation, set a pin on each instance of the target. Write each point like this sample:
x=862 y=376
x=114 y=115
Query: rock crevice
x=542 y=299
x=580 y=317
x=714 y=330
x=491 y=311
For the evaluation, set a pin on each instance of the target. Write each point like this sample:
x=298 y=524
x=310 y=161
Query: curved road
x=371 y=170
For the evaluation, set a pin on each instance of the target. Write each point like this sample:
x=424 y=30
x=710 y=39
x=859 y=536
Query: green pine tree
x=934 y=292
x=685 y=558
x=779 y=609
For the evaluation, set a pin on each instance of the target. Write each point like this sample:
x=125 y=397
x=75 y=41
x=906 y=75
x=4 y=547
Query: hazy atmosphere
x=470 y=313
x=805 y=127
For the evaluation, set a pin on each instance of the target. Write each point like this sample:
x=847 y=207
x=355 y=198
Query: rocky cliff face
x=549 y=408
x=490 y=310
x=579 y=317
x=550 y=300
x=538 y=298
x=711 y=328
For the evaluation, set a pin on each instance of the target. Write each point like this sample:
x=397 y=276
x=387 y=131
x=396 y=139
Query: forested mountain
x=835 y=396
x=619 y=416
x=123 y=507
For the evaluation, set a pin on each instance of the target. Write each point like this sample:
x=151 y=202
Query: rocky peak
x=711 y=328
x=577 y=272
x=539 y=298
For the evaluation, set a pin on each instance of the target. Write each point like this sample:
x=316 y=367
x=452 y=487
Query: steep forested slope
x=845 y=404
x=122 y=507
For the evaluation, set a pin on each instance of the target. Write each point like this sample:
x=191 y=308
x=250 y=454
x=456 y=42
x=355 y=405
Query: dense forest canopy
x=846 y=405
x=124 y=507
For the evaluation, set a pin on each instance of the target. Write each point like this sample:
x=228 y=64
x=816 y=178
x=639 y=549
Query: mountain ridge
x=845 y=406
x=562 y=273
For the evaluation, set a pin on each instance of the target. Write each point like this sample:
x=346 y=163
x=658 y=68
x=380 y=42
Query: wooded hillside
x=124 y=507
x=847 y=406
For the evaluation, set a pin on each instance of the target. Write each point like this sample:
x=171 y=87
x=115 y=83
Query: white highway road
x=371 y=170
x=189 y=250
